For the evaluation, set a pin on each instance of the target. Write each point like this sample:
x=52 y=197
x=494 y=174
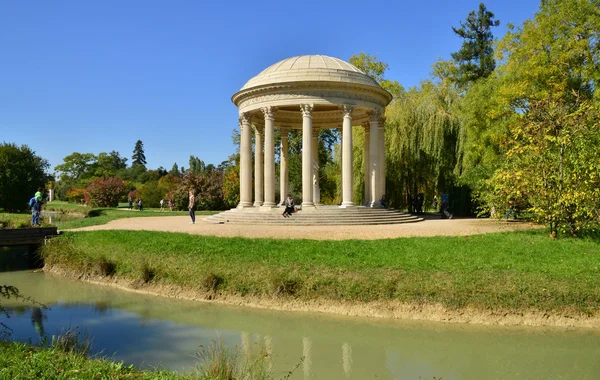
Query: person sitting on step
x=289 y=206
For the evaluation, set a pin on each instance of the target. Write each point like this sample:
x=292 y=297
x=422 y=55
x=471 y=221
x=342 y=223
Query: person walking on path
x=511 y=210
x=170 y=205
x=162 y=205
x=444 y=207
x=140 y=204
x=191 y=207
x=130 y=201
x=289 y=206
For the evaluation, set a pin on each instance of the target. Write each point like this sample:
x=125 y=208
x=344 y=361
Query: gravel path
x=429 y=227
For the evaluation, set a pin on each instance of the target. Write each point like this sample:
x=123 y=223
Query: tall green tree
x=549 y=83
x=138 y=158
x=108 y=164
x=475 y=59
x=373 y=67
x=197 y=166
x=22 y=172
x=77 y=166
x=174 y=170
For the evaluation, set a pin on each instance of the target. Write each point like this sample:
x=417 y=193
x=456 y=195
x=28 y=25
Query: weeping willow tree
x=424 y=142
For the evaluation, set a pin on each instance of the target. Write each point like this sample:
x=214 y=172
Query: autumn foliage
x=106 y=192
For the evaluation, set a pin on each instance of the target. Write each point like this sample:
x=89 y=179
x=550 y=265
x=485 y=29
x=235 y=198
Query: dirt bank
x=380 y=309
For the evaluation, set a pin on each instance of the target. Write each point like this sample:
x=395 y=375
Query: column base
x=243 y=205
x=307 y=205
x=258 y=204
x=267 y=207
x=375 y=205
x=347 y=205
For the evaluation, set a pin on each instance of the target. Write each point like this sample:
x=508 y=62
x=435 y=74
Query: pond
x=150 y=331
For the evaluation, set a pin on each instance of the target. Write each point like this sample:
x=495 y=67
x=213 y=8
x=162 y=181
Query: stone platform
x=320 y=216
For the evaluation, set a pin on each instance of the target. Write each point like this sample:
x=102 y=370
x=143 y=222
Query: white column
x=269 y=158
x=366 y=163
x=347 y=174
x=339 y=129
x=381 y=159
x=307 y=192
x=245 y=162
x=258 y=165
x=315 y=165
x=283 y=165
x=374 y=153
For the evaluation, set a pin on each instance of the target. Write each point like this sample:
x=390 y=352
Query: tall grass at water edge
x=514 y=271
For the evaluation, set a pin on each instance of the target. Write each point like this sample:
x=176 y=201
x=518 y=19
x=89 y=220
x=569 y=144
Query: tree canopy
x=22 y=173
x=138 y=158
x=475 y=59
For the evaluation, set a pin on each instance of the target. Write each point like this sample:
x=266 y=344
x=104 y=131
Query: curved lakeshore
x=514 y=278
x=390 y=309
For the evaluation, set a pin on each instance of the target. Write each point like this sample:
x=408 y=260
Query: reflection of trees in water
x=101 y=307
x=306 y=349
x=248 y=340
x=347 y=359
x=37 y=320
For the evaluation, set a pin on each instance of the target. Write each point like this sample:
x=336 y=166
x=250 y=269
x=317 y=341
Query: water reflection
x=150 y=331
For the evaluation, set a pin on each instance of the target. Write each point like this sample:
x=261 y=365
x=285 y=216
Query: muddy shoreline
x=378 y=309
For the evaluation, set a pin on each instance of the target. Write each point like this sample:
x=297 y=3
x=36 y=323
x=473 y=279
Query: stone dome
x=310 y=68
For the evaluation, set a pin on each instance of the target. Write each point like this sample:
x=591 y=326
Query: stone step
x=300 y=216
x=321 y=216
x=287 y=221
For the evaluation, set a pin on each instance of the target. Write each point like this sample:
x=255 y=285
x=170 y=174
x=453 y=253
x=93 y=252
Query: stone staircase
x=321 y=216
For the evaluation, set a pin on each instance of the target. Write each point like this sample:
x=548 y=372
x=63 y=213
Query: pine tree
x=475 y=59
x=139 y=158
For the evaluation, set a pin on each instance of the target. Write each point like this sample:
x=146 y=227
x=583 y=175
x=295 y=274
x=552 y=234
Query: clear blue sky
x=95 y=76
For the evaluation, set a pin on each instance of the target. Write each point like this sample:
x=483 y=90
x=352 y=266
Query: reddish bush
x=207 y=187
x=77 y=195
x=106 y=192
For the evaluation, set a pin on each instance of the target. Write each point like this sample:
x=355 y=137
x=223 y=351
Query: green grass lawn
x=8 y=220
x=507 y=271
x=22 y=361
x=59 y=361
x=97 y=216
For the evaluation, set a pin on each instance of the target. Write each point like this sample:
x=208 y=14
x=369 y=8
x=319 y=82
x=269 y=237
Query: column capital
x=268 y=112
x=306 y=109
x=374 y=115
x=244 y=118
x=382 y=120
x=258 y=129
x=347 y=110
x=283 y=130
x=315 y=132
x=366 y=126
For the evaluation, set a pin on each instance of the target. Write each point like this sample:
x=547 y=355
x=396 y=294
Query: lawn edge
x=384 y=309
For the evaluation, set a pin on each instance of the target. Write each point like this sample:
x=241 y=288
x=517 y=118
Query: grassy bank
x=517 y=271
x=22 y=361
x=8 y=220
x=216 y=362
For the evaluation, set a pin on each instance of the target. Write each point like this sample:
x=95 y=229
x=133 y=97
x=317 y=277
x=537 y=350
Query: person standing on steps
x=191 y=207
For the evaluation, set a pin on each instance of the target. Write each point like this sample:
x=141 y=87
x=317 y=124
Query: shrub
x=76 y=195
x=106 y=192
x=208 y=188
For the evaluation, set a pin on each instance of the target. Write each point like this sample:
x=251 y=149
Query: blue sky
x=95 y=76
